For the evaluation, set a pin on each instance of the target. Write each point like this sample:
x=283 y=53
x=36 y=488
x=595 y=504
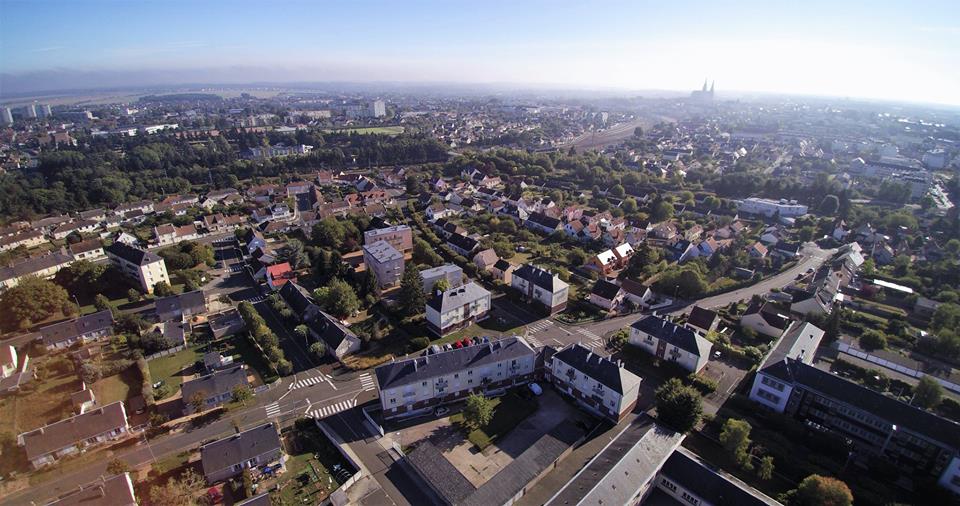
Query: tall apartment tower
x=6 y=117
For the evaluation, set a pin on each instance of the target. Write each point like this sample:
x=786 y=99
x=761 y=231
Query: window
x=763 y=394
x=771 y=383
x=393 y=401
x=423 y=384
x=667 y=484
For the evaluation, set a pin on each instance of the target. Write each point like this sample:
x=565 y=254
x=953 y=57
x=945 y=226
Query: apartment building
x=541 y=287
x=783 y=208
x=385 y=261
x=597 y=383
x=43 y=266
x=452 y=273
x=668 y=341
x=416 y=385
x=456 y=308
x=398 y=236
x=144 y=268
x=72 y=435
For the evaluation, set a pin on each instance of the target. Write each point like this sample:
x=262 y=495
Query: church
x=703 y=95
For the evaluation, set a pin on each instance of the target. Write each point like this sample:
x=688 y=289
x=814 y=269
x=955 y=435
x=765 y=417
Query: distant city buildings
x=783 y=208
x=6 y=116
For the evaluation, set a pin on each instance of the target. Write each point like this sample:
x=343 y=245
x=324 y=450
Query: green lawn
x=387 y=130
x=117 y=387
x=308 y=479
x=508 y=412
x=242 y=349
x=169 y=369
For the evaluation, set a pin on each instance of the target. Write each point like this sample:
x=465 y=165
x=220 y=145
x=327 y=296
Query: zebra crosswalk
x=236 y=268
x=332 y=409
x=273 y=409
x=367 y=383
x=534 y=342
x=586 y=333
x=256 y=299
x=539 y=326
x=308 y=382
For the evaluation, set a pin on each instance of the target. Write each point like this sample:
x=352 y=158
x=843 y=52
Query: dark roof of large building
x=457 y=297
x=707 y=482
x=605 y=289
x=330 y=329
x=34 y=265
x=601 y=369
x=70 y=329
x=216 y=383
x=238 y=448
x=463 y=242
x=412 y=370
x=131 y=254
x=896 y=412
x=443 y=477
x=543 y=220
x=539 y=277
x=116 y=490
x=665 y=330
x=69 y=431
x=701 y=318
x=194 y=301
x=296 y=297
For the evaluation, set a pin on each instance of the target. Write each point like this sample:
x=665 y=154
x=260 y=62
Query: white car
x=535 y=388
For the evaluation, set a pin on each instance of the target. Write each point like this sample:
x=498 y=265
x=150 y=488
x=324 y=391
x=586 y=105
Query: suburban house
x=604 y=262
x=539 y=222
x=146 y=269
x=83 y=400
x=485 y=259
x=766 y=319
x=340 y=340
x=606 y=295
x=26 y=238
x=456 y=308
x=117 y=490
x=83 y=329
x=89 y=249
x=819 y=296
x=164 y=235
x=214 y=388
x=251 y=449
x=385 y=262
x=541 y=287
x=417 y=385
x=668 y=341
x=299 y=300
x=462 y=244
x=450 y=272
x=702 y=320
x=280 y=274
x=80 y=227
x=43 y=266
x=399 y=236
x=597 y=383
x=75 y=434
x=502 y=270
x=14 y=369
x=914 y=440
x=217 y=223
x=181 y=307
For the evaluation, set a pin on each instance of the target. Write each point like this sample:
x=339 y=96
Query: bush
x=873 y=340
x=419 y=343
x=146 y=387
x=705 y=385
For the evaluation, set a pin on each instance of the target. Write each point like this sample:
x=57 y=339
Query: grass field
x=117 y=387
x=170 y=368
x=387 y=130
x=508 y=412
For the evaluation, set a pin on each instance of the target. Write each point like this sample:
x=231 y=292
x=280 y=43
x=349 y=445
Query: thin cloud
x=47 y=49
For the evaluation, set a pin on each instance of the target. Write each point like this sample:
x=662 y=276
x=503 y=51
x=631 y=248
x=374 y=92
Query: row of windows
x=772 y=384
x=763 y=394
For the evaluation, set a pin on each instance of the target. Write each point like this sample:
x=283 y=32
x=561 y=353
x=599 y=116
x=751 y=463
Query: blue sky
x=871 y=49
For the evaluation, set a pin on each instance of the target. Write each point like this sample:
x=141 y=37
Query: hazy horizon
x=857 y=50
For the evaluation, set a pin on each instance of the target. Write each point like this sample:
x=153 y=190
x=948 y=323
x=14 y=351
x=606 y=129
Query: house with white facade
x=456 y=308
x=783 y=208
x=540 y=287
x=597 y=383
x=144 y=268
x=766 y=319
x=668 y=341
x=69 y=436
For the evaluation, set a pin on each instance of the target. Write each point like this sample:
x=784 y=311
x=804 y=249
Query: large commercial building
x=385 y=262
x=418 y=384
x=456 y=308
x=144 y=268
x=541 y=287
x=770 y=208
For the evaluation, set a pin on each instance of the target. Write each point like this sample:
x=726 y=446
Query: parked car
x=535 y=388
x=441 y=411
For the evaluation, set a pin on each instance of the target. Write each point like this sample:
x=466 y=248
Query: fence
x=164 y=353
x=893 y=366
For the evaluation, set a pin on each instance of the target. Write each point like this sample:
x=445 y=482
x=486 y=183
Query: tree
x=441 y=285
x=629 y=205
x=928 y=393
x=134 y=295
x=946 y=316
x=247 y=483
x=873 y=340
x=302 y=331
x=102 y=303
x=618 y=191
x=90 y=373
x=678 y=405
x=413 y=185
x=478 y=412
x=329 y=233
x=293 y=253
x=411 y=297
x=319 y=349
x=816 y=490
x=178 y=491
x=31 y=301
x=424 y=254
x=284 y=367
x=341 y=299
x=661 y=211
x=242 y=394
x=829 y=205
x=117 y=466
x=765 y=471
x=735 y=437
x=162 y=289
x=198 y=401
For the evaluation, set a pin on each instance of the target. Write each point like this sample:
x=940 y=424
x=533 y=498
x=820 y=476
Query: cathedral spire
x=704 y=84
x=712 y=84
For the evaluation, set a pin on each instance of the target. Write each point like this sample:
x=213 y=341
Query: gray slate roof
x=65 y=331
x=238 y=448
x=457 y=297
x=539 y=277
x=601 y=369
x=116 y=490
x=413 y=370
x=69 y=431
x=696 y=476
x=382 y=251
x=443 y=477
x=34 y=265
x=701 y=318
x=216 y=383
x=185 y=302
x=133 y=255
x=665 y=330
x=330 y=329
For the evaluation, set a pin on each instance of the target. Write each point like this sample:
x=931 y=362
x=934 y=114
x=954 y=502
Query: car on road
x=535 y=388
x=441 y=411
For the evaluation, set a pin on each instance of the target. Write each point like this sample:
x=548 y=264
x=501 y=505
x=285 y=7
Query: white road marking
x=367 y=383
x=273 y=409
x=332 y=409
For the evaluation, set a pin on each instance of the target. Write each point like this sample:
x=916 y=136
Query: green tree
x=629 y=205
x=678 y=406
x=441 y=285
x=342 y=300
x=928 y=393
x=829 y=205
x=163 y=289
x=242 y=394
x=198 y=401
x=765 y=471
x=31 y=301
x=411 y=295
x=735 y=437
x=293 y=253
x=478 y=411
x=424 y=254
x=117 y=466
x=873 y=340
x=102 y=303
x=178 y=491
x=319 y=350
x=284 y=367
x=302 y=331
x=946 y=316
x=816 y=490
x=618 y=191
x=329 y=233
x=661 y=211
x=134 y=295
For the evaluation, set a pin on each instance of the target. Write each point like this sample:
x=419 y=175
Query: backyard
x=171 y=369
x=315 y=467
x=42 y=401
x=508 y=412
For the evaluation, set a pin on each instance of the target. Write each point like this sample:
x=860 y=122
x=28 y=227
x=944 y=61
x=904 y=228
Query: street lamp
x=893 y=429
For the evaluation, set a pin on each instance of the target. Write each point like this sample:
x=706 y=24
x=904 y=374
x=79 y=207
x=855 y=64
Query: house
x=181 y=307
x=419 y=384
x=97 y=214
x=757 y=250
x=462 y=244
x=439 y=210
x=299 y=300
x=788 y=250
x=146 y=269
x=142 y=207
x=606 y=295
x=772 y=235
x=604 y=262
x=273 y=212
x=164 y=235
x=450 y=272
x=635 y=292
x=253 y=448
x=43 y=266
x=398 y=236
x=503 y=271
x=226 y=323
x=279 y=275
x=668 y=341
x=298 y=187
x=83 y=401
x=83 y=329
x=117 y=490
x=214 y=388
x=218 y=223
x=26 y=239
x=917 y=442
x=702 y=320
x=598 y=384
x=485 y=259
x=14 y=369
x=456 y=308
x=80 y=227
x=339 y=340
x=766 y=319
x=9 y=361
x=73 y=435
x=820 y=294
x=540 y=286
x=385 y=262
x=539 y=222
x=89 y=249
x=213 y=361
